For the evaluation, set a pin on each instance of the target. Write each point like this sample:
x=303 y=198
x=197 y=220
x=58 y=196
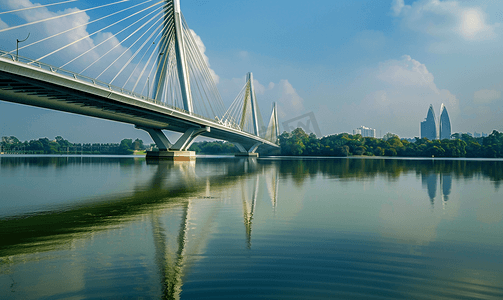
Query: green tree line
x=295 y=143
x=59 y=145
x=215 y=147
x=461 y=145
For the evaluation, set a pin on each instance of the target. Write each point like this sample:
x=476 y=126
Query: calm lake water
x=349 y=228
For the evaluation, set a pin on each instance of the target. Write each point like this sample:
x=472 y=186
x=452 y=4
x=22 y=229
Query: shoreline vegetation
x=295 y=143
x=299 y=143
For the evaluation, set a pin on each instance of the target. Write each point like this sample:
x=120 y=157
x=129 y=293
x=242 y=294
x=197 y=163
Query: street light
x=17 y=46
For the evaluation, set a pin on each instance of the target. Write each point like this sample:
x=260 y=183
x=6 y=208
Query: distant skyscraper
x=429 y=126
x=445 y=124
x=365 y=132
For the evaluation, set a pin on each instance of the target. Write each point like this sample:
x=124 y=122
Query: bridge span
x=34 y=83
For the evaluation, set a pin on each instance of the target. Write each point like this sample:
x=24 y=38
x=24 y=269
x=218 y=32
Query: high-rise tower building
x=444 y=124
x=429 y=126
x=365 y=132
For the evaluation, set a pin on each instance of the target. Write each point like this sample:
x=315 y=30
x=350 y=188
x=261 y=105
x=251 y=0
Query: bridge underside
x=44 y=89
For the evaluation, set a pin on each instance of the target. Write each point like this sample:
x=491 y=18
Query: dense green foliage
x=127 y=146
x=461 y=145
x=216 y=147
x=295 y=143
x=61 y=146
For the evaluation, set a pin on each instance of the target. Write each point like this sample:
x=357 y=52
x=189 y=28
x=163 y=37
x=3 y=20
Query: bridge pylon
x=272 y=132
x=250 y=96
x=185 y=95
x=172 y=36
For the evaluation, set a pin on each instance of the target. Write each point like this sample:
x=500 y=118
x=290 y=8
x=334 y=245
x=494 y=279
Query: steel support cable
x=156 y=48
x=233 y=114
x=148 y=62
x=207 y=87
x=194 y=87
x=237 y=104
x=245 y=122
x=206 y=79
x=148 y=74
x=96 y=32
x=81 y=25
x=165 y=50
x=167 y=41
x=271 y=128
x=142 y=46
x=168 y=52
x=200 y=78
x=175 y=81
x=34 y=7
x=61 y=16
x=238 y=114
x=232 y=108
x=146 y=65
x=125 y=51
x=195 y=68
x=205 y=68
x=228 y=115
x=260 y=120
x=120 y=43
x=245 y=111
x=249 y=117
x=149 y=38
x=168 y=45
x=172 y=84
x=159 y=32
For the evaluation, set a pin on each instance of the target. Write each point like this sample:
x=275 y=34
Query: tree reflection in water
x=169 y=197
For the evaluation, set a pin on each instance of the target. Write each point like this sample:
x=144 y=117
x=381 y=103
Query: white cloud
x=397 y=6
x=52 y=27
x=259 y=88
x=396 y=98
x=405 y=72
x=66 y=44
x=290 y=103
x=268 y=91
x=486 y=96
x=445 y=19
x=49 y=28
x=202 y=49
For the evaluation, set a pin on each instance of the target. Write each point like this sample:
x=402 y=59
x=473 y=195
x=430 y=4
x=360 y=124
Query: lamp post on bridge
x=17 y=46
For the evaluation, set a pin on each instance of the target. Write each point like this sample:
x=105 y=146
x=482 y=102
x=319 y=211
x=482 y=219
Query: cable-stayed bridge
x=140 y=64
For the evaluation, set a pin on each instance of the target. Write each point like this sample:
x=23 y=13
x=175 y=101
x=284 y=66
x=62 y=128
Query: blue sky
x=374 y=63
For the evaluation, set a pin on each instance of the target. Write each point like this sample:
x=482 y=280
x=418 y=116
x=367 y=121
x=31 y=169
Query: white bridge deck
x=33 y=83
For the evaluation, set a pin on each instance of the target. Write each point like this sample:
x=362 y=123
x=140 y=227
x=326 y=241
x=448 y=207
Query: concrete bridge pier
x=171 y=155
x=177 y=151
x=247 y=153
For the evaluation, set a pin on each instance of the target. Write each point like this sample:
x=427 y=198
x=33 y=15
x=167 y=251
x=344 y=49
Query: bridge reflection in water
x=170 y=199
x=250 y=228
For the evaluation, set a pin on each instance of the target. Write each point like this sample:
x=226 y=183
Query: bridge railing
x=89 y=80
x=79 y=77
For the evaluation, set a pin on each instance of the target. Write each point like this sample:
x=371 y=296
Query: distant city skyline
x=444 y=125
x=432 y=130
x=429 y=125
